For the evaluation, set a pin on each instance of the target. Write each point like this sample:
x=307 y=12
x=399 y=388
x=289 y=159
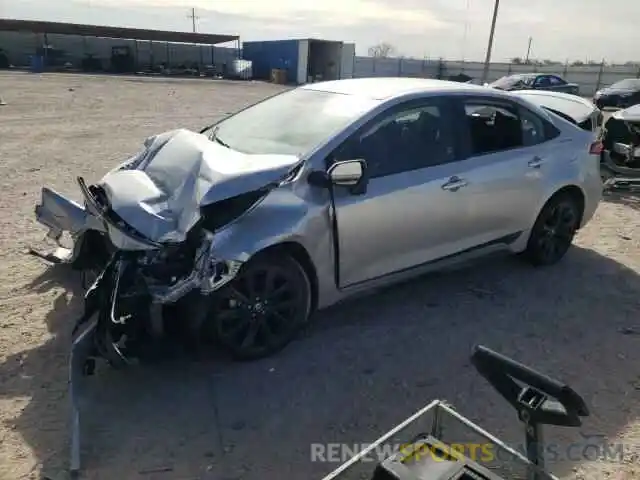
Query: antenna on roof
x=193 y=18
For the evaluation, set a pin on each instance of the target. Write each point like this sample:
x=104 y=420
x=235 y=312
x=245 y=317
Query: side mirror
x=350 y=173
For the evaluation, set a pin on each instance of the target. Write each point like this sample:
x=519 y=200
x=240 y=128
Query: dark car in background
x=535 y=81
x=622 y=94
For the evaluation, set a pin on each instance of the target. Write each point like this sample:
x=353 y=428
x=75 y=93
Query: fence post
x=137 y=56
x=566 y=68
x=600 y=75
x=374 y=65
x=509 y=68
x=400 y=66
x=638 y=73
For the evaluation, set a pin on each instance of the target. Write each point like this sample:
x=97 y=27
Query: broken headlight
x=222 y=213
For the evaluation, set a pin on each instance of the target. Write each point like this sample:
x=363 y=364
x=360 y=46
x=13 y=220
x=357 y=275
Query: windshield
x=290 y=123
x=630 y=83
x=511 y=80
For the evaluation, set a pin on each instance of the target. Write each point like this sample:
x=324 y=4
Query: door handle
x=454 y=184
x=535 y=162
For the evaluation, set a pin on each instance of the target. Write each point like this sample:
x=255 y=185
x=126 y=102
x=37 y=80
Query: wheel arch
x=572 y=191
x=300 y=254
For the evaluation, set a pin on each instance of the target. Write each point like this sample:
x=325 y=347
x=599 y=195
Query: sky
x=452 y=29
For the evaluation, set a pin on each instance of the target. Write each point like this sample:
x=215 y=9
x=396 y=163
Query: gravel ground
x=361 y=368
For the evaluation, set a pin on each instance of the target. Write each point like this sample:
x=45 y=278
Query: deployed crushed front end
x=621 y=155
x=147 y=231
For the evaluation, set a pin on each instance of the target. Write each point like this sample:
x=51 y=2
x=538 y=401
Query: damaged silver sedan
x=244 y=229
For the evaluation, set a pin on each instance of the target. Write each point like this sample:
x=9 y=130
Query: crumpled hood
x=161 y=197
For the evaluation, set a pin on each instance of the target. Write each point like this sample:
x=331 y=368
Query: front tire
x=264 y=308
x=554 y=231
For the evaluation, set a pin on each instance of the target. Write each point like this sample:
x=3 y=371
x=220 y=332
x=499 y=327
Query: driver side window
x=402 y=141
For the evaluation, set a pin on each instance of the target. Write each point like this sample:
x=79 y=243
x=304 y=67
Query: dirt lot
x=363 y=367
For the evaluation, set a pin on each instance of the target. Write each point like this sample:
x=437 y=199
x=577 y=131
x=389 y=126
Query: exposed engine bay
x=622 y=139
x=620 y=136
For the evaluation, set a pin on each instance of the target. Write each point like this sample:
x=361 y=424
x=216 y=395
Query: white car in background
x=578 y=110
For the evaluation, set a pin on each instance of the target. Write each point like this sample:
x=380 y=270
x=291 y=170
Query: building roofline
x=14 y=25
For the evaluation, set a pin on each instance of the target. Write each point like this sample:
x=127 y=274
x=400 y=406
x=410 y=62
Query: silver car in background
x=316 y=194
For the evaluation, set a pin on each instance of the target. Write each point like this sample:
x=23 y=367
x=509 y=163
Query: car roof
x=383 y=88
x=634 y=81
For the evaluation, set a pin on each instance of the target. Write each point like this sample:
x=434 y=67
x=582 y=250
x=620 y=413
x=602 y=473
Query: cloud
x=329 y=12
x=574 y=29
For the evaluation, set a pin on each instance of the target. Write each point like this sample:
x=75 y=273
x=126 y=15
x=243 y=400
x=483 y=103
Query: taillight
x=596 y=148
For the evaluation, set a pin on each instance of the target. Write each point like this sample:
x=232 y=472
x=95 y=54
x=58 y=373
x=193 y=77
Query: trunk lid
x=573 y=106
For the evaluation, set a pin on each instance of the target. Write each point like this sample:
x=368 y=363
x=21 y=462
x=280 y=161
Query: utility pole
x=193 y=18
x=487 y=60
x=526 y=59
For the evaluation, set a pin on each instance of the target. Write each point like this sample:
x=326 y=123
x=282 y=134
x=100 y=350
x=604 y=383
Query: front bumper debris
x=59 y=215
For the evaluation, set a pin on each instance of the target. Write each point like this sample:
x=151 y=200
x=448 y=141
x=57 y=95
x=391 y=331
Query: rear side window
x=492 y=128
x=587 y=125
x=496 y=128
x=533 y=131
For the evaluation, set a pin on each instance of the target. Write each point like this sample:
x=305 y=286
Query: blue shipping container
x=267 y=55
x=37 y=63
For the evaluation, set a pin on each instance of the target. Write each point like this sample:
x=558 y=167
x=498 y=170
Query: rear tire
x=553 y=232
x=263 y=309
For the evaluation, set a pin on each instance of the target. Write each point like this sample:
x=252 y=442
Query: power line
x=193 y=18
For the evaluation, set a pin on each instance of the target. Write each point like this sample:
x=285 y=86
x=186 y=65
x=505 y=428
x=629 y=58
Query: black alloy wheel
x=262 y=310
x=554 y=230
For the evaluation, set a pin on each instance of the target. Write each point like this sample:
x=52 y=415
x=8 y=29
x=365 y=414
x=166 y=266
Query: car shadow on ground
x=361 y=368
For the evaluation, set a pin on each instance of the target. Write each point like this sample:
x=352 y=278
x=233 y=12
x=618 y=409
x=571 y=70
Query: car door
x=409 y=213
x=502 y=170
